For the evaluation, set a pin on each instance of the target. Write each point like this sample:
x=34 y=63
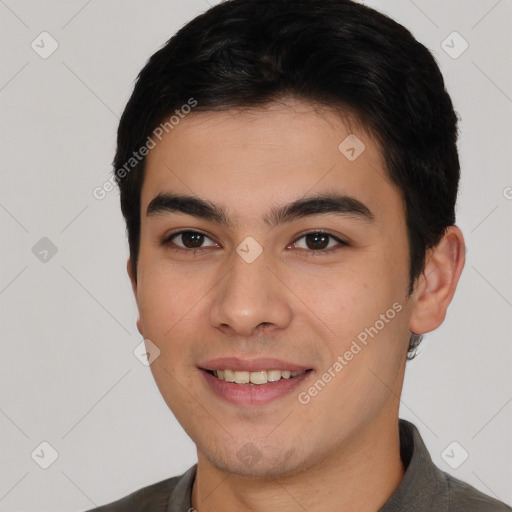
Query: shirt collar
x=181 y=498
x=423 y=487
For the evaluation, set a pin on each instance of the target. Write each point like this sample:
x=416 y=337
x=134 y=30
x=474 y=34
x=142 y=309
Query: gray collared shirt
x=424 y=488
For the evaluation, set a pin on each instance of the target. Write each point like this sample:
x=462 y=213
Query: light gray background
x=68 y=373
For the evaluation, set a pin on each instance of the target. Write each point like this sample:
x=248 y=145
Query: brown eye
x=188 y=240
x=318 y=241
x=192 y=240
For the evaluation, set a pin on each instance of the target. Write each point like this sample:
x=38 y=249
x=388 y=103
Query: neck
x=361 y=475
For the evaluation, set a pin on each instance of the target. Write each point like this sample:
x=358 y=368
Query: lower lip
x=253 y=394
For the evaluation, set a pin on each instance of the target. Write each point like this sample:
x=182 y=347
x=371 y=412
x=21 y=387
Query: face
x=288 y=264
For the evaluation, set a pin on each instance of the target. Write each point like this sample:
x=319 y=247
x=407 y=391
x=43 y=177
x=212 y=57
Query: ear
x=131 y=273
x=436 y=286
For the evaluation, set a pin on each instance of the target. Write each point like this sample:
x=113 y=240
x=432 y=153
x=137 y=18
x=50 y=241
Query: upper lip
x=251 y=365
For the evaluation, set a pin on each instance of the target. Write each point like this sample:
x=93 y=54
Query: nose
x=250 y=298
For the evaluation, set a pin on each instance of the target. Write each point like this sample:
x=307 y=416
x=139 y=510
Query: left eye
x=190 y=239
x=318 y=241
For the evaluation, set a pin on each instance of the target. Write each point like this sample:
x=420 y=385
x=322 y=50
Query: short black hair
x=339 y=53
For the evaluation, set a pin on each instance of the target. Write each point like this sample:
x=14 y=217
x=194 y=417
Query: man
x=288 y=174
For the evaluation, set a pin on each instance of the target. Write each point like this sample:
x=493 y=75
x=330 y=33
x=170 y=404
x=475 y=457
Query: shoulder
x=465 y=498
x=153 y=498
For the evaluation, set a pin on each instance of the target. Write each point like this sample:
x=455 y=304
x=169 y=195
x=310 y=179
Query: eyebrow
x=339 y=204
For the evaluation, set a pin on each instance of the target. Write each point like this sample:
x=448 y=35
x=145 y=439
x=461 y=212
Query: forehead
x=246 y=159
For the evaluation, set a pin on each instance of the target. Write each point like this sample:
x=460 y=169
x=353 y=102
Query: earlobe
x=131 y=274
x=139 y=326
x=436 y=286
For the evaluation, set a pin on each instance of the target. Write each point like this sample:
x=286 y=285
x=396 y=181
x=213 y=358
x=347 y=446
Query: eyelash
x=166 y=241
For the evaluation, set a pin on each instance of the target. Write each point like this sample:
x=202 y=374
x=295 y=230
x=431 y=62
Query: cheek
x=165 y=301
x=362 y=371
x=351 y=301
x=168 y=289
x=366 y=316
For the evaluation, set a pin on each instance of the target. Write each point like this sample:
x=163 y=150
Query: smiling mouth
x=256 y=378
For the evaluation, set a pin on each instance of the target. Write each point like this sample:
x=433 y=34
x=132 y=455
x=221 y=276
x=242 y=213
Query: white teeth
x=259 y=377
x=229 y=376
x=273 y=375
x=242 y=377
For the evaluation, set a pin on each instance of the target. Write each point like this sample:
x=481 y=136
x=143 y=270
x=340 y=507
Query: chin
x=251 y=462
